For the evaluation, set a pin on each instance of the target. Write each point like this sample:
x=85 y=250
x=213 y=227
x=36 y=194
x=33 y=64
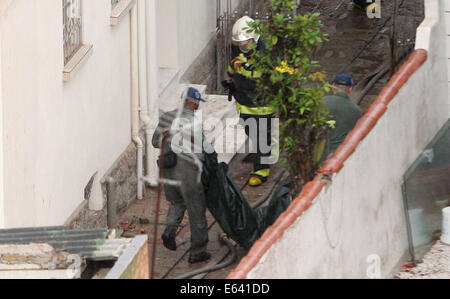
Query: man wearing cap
x=180 y=165
x=342 y=111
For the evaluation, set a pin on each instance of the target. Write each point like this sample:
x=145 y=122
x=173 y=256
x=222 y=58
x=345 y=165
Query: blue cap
x=344 y=79
x=194 y=95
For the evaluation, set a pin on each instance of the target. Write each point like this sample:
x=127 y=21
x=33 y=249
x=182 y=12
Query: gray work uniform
x=346 y=114
x=190 y=195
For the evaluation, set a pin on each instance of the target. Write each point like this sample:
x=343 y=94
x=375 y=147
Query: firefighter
x=243 y=78
x=367 y=5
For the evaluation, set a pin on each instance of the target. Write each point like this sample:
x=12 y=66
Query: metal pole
x=111 y=202
x=394 y=38
x=219 y=39
x=158 y=202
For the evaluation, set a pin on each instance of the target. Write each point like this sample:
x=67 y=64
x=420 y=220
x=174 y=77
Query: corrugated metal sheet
x=89 y=244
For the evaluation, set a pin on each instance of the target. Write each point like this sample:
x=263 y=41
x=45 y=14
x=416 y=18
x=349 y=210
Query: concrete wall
x=204 y=70
x=196 y=22
x=57 y=135
x=447 y=19
x=186 y=35
x=361 y=213
x=2 y=210
x=184 y=29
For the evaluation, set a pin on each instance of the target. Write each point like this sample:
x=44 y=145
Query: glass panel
x=426 y=192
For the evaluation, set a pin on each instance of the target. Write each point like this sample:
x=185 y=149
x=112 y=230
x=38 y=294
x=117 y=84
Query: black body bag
x=169 y=160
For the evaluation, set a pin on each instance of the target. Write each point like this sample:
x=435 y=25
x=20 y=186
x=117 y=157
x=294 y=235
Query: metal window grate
x=72 y=21
x=114 y=3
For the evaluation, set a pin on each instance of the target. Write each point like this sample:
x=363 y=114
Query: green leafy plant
x=291 y=83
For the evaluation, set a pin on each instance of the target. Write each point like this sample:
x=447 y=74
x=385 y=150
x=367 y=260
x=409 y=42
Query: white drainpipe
x=135 y=126
x=146 y=86
x=152 y=89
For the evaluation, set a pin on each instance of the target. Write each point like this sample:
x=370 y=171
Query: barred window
x=114 y=3
x=72 y=28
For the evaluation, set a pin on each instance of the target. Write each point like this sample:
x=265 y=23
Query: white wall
x=167 y=22
x=196 y=27
x=185 y=27
x=57 y=135
x=361 y=213
x=2 y=211
x=447 y=19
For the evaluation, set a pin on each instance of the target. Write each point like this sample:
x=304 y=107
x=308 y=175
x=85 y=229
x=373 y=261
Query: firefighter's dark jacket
x=243 y=76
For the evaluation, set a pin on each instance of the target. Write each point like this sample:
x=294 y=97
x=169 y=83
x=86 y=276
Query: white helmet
x=240 y=34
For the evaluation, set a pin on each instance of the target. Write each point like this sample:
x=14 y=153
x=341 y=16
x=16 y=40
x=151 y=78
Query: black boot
x=168 y=238
x=199 y=258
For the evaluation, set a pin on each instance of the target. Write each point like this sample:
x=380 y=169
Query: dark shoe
x=250 y=158
x=199 y=258
x=168 y=238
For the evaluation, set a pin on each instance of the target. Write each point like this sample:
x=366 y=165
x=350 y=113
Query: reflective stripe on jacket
x=244 y=78
x=255 y=110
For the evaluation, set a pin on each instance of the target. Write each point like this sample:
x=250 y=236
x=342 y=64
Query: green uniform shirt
x=346 y=114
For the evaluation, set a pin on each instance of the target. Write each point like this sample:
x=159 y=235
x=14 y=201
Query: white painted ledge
x=120 y=10
x=424 y=32
x=76 y=62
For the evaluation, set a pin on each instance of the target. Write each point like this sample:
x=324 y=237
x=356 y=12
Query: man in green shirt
x=342 y=111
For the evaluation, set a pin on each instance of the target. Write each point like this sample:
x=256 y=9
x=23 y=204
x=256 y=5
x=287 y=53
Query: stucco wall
x=361 y=213
x=2 y=210
x=186 y=33
x=197 y=23
x=57 y=135
x=185 y=28
x=447 y=19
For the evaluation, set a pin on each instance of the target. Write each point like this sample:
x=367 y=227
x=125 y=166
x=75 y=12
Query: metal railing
x=72 y=21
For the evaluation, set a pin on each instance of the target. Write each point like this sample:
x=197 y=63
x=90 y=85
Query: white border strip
x=127 y=257
x=2 y=197
x=432 y=16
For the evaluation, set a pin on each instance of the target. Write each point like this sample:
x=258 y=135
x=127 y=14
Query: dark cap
x=344 y=79
x=194 y=95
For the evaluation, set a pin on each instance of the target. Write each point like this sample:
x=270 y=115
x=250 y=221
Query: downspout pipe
x=142 y=62
x=152 y=77
x=135 y=125
x=143 y=77
x=112 y=218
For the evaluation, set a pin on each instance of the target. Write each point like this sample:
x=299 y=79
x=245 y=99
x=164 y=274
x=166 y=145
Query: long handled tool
x=158 y=204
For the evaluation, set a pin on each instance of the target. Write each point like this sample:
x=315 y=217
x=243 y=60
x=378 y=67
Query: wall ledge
x=432 y=13
x=76 y=62
x=120 y=10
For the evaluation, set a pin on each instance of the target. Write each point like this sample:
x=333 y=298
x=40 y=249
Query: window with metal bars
x=72 y=22
x=114 y=3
